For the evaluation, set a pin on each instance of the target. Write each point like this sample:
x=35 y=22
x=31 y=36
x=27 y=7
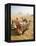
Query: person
x=17 y=25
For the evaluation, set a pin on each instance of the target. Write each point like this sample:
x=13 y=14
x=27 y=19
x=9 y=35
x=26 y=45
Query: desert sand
x=28 y=34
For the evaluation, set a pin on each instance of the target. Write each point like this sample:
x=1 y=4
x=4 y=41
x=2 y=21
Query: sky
x=21 y=9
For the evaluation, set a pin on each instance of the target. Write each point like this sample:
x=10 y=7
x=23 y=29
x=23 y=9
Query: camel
x=20 y=26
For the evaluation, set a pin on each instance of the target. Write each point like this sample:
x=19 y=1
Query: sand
x=28 y=34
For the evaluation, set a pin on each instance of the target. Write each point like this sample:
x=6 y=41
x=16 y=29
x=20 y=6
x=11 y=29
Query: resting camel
x=20 y=26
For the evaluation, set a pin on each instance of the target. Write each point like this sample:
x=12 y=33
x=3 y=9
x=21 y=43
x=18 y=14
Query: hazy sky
x=21 y=9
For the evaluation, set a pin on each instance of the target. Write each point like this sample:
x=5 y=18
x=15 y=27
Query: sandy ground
x=28 y=34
